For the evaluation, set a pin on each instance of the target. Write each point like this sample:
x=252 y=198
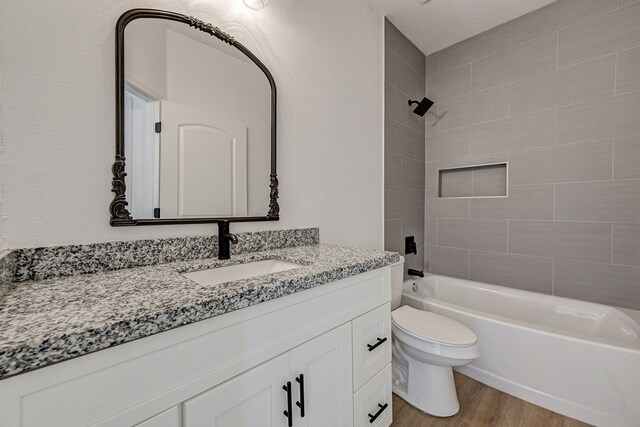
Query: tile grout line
x=555 y=130
x=563 y=182
x=557 y=50
x=553 y=276
x=595 y=58
x=615 y=75
x=559 y=221
x=511 y=45
x=530 y=77
x=554 y=202
x=613 y=159
x=399 y=122
x=403 y=41
x=482 y=57
x=582 y=21
x=523 y=255
x=530 y=113
x=611 y=259
x=473 y=124
x=509 y=93
x=403 y=60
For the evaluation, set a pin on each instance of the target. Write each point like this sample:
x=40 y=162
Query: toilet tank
x=397 y=276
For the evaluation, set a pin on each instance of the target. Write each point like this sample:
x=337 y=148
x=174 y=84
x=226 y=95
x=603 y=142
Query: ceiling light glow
x=255 y=4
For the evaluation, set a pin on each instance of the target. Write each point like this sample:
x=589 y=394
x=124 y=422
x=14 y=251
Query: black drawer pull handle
x=372 y=418
x=372 y=347
x=300 y=403
x=288 y=413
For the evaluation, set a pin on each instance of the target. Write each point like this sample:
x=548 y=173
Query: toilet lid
x=432 y=326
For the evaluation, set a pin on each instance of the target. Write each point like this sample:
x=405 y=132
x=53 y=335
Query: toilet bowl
x=426 y=348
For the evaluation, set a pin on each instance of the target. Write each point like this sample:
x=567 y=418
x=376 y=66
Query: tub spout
x=413 y=272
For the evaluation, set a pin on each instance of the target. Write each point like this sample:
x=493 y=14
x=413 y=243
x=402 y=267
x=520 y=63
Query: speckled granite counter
x=57 y=319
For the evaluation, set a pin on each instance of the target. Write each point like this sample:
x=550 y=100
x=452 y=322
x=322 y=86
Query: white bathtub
x=576 y=358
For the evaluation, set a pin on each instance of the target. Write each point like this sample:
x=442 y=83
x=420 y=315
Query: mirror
x=195 y=137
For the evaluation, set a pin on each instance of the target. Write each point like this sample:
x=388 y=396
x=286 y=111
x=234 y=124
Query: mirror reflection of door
x=141 y=113
x=212 y=155
x=198 y=149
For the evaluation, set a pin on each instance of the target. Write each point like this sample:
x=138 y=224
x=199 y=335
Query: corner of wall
x=1 y=168
x=404 y=164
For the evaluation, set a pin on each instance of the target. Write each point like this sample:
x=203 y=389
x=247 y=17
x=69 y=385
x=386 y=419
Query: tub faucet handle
x=413 y=272
x=410 y=245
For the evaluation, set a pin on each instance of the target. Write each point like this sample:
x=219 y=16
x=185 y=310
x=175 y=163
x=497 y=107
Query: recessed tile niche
x=488 y=180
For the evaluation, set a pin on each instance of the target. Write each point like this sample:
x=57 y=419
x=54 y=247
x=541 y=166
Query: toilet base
x=430 y=388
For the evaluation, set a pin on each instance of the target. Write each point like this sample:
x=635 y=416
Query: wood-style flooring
x=481 y=405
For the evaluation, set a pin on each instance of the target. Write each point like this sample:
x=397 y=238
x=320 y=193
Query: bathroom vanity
x=171 y=332
x=307 y=346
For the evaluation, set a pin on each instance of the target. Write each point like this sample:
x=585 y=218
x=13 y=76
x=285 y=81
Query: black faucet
x=224 y=239
x=413 y=272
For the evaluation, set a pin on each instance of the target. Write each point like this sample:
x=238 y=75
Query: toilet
x=426 y=348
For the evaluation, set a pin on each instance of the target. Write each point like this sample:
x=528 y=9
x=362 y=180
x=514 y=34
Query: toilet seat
x=433 y=327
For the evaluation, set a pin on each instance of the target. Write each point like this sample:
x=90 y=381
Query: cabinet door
x=326 y=365
x=252 y=399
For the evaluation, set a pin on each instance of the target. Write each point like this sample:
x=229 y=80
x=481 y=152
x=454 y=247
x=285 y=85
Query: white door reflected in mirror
x=209 y=150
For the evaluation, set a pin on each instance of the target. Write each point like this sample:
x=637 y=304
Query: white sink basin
x=218 y=275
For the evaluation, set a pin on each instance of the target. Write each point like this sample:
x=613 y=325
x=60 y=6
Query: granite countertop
x=53 y=320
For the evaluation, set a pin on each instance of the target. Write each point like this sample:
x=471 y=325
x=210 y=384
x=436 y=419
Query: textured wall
x=556 y=93
x=1 y=171
x=403 y=146
x=58 y=115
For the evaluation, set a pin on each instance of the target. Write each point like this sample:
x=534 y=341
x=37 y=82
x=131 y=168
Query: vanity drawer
x=371 y=344
x=372 y=403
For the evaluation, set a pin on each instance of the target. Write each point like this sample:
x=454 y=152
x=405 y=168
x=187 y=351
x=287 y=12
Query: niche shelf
x=475 y=181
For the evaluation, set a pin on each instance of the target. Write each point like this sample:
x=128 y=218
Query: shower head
x=423 y=106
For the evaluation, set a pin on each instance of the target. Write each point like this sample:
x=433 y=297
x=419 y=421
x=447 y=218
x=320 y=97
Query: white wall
x=145 y=56
x=1 y=167
x=58 y=115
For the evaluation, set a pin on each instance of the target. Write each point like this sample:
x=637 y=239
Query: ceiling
x=442 y=23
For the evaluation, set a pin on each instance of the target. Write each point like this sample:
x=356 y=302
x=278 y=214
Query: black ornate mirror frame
x=120 y=215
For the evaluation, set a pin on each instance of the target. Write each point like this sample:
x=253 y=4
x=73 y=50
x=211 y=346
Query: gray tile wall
x=404 y=167
x=556 y=93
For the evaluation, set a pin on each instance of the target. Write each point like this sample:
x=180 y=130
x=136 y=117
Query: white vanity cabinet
x=229 y=371
x=317 y=377
x=172 y=417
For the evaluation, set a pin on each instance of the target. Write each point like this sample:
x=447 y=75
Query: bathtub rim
x=632 y=347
